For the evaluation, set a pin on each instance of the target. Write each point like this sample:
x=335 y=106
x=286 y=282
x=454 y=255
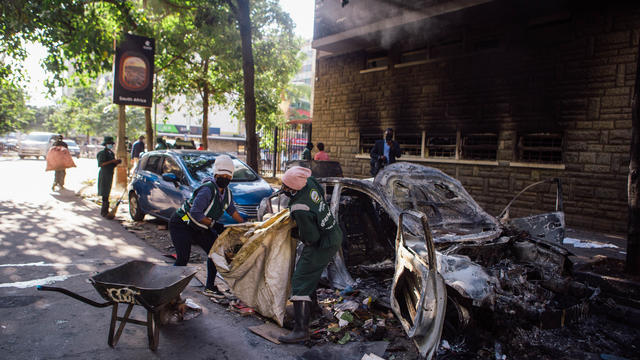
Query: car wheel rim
x=133 y=206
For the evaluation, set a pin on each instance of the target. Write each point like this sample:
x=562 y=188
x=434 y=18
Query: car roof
x=189 y=152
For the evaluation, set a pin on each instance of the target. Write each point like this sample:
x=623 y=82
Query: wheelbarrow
x=135 y=283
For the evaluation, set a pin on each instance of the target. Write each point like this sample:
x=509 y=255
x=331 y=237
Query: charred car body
x=416 y=233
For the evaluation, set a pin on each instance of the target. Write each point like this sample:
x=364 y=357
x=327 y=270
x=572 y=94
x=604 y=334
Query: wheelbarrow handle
x=74 y=295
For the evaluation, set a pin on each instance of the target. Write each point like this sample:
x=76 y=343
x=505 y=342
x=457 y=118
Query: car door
x=549 y=226
x=418 y=292
x=171 y=194
x=148 y=178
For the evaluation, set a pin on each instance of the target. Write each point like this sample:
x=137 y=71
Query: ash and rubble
x=537 y=309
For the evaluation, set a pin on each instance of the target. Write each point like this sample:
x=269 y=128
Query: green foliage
x=14 y=113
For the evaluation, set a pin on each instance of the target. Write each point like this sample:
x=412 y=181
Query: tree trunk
x=205 y=109
x=121 y=149
x=244 y=21
x=148 y=129
x=205 y=120
x=633 y=185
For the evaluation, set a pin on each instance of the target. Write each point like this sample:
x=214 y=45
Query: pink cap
x=296 y=177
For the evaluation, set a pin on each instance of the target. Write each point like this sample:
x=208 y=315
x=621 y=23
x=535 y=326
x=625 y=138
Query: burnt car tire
x=134 y=207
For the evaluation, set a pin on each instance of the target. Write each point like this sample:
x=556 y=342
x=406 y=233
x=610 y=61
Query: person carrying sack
x=322 y=238
x=195 y=222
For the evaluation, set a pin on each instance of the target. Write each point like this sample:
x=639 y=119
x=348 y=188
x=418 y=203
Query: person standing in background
x=321 y=155
x=306 y=154
x=106 y=162
x=136 y=150
x=384 y=152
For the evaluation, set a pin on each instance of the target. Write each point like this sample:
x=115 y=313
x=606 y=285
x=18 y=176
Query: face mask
x=109 y=146
x=222 y=182
x=388 y=137
x=289 y=193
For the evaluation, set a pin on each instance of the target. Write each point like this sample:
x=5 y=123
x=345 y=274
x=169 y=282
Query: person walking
x=384 y=152
x=321 y=155
x=195 y=222
x=106 y=162
x=322 y=238
x=306 y=154
x=136 y=149
x=60 y=173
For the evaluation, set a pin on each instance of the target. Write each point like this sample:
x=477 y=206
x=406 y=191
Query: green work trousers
x=313 y=261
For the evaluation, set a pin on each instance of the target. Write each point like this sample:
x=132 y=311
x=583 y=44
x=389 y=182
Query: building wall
x=575 y=78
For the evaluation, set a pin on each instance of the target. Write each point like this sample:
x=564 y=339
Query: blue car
x=164 y=179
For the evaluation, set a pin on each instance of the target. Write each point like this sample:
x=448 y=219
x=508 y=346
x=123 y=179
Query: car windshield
x=200 y=166
x=38 y=137
x=70 y=142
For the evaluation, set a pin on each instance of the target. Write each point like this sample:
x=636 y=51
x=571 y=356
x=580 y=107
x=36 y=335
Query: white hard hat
x=223 y=165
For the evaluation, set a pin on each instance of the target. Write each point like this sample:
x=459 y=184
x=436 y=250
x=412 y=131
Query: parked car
x=35 y=144
x=164 y=179
x=428 y=249
x=74 y=149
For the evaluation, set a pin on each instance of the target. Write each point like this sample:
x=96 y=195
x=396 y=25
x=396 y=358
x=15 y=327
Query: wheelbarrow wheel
x=152 y=330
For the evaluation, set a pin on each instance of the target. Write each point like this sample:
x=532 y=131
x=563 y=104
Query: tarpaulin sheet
x=59 y=158
x=260 y=272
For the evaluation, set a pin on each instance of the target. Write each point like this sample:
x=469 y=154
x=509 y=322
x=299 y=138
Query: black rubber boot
x=300 y=330
x=316 y=310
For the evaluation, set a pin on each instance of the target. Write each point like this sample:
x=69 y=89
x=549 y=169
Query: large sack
x=260 y=272
x=59 y=158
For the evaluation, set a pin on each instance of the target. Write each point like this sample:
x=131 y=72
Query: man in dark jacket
x=106 y=162
x=384 y=152
x=137 y=149
x=306 y=154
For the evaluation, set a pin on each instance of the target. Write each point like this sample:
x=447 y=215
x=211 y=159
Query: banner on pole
x=133 y=71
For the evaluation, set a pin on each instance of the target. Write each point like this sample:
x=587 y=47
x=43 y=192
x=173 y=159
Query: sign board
x=133 y=71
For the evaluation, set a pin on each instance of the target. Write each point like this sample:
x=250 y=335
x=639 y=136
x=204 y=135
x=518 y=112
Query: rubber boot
x=316 y=310
x=300 y=330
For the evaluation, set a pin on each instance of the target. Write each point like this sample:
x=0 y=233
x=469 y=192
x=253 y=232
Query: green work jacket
x=316 y=224
x=306 y=154
x=214 y=210
x=105 y=174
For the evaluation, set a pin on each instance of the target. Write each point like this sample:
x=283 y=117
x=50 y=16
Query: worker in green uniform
x=106 y=162
x=322 y=238
x=161 y=143
x=306 y=154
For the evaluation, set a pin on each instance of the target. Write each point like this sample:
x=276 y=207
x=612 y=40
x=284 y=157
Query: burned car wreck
x=419 y=243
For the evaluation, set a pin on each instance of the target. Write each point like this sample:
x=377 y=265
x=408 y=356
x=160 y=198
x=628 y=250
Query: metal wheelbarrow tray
x=135 y=283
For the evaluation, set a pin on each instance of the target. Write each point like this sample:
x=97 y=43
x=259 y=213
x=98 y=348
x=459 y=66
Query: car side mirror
x=171 y=178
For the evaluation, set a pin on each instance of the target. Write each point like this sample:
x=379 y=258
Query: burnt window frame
x=418 y=148
x=468 y=147
x=363 y=146
x=523 y=145
x=453 y=147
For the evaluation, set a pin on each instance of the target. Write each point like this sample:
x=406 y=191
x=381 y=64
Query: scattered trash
x=445 y=345
x=347 y=291
x=192 y=305
x=371 y=357
x=59 y=322
x=241 y=308
x=498 y=351
x=347 y=305
x=345 y=339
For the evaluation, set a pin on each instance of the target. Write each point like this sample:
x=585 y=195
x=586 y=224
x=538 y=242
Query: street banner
x=133 y=71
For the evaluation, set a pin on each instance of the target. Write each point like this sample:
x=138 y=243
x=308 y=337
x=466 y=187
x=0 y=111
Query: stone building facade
x=498 y=94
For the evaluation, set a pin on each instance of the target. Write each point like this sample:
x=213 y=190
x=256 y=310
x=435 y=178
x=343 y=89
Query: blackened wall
x=574 y=76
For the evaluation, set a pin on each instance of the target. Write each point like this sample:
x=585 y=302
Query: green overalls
x=215 y=209
x=306 y=154
x=105 y=174
x=320 y=233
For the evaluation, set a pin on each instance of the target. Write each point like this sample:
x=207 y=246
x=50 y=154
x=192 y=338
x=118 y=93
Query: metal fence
x=286 y=143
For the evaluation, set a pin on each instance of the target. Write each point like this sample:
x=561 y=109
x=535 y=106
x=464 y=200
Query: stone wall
x=575 y=78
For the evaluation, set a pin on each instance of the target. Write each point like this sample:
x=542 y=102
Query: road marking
x=36 y=282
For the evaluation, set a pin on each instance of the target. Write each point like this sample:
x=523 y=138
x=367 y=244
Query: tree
x=13 y=111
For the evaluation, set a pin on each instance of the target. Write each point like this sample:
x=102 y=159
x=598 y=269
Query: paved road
x=58 y=238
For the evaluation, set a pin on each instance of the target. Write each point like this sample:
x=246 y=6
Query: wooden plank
x=269 y=331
